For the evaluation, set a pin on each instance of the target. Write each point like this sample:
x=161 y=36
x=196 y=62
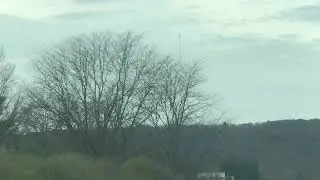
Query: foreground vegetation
x=267 y=151
x=80 y=167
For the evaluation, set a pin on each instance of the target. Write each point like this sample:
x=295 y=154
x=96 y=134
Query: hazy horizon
x=260 y=58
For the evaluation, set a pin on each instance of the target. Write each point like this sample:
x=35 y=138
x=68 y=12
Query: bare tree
x=101 y=86
x=180 y=102
x=6 y=71
x=9 y=105
x=34 y=119
x=100 y=83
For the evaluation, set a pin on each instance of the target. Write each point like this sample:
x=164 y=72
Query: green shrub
x=80 y=167
x=142 y=168
x=20 y=167
x=77 y=167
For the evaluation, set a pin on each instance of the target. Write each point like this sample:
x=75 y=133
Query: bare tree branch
x=9 y=105
x=101 y=81
x=180 y=102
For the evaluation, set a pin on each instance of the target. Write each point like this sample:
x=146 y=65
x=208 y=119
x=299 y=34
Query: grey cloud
x=310 y=13
x=77 y=15
x=96 y=1
x=285 y=43
x=188 y=19
x=192 y=7
x=93 y=15
x=136 y=18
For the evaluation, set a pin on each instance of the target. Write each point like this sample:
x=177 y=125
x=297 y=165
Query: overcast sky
x=261 y=57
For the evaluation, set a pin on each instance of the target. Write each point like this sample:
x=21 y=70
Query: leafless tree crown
x=111 y=82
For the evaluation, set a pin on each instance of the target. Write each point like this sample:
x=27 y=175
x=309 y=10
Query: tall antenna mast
x=180 y=48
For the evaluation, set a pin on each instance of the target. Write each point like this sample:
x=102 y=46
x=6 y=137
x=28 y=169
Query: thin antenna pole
x=180 y=47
